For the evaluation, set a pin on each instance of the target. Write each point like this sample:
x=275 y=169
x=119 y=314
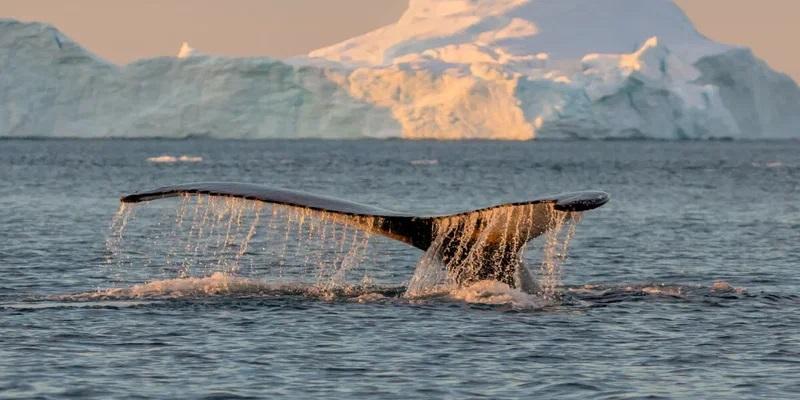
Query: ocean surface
x=685 y=285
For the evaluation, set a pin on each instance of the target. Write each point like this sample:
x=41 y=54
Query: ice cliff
x=448 y=69
x=50 y=86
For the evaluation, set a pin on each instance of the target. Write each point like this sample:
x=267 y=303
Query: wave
x=221 y=284
x=491 y=293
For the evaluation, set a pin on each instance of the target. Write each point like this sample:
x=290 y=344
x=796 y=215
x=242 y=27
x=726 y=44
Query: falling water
x=207 y=235
x=556 y=243
x=489 y=244
x=118 y=224
x=275 y=243
x=115 y=256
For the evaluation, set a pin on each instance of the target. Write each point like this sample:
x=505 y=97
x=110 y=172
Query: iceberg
x=186 y=51
x=52 y=87
x=447 y=69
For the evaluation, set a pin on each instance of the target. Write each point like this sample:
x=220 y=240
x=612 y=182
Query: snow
x=447 y=69
x=520 y=28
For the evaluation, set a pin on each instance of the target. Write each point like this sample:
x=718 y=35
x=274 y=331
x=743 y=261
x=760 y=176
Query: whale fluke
x=474 y=245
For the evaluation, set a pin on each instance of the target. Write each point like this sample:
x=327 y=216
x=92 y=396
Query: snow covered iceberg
x=50 y=86
x=448 y=69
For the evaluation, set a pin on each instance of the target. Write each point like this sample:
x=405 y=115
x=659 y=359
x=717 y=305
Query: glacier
x=447 y=69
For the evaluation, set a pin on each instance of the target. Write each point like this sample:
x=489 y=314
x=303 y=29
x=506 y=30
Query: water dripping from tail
x=279 y=235
x=554 y=252
x=488 y=246
x=283 y=244
x=241 y=238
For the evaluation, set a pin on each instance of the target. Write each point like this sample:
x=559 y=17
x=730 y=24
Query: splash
x=491 y=243
x=489 y=293
x=556 y=243
x=468 y=248
x=206 y=235
x=239 y=237
x=217 y=283
x=497 y=293
x=720 y=286
x=220 y=284
x=115 y=237
x=118 y=224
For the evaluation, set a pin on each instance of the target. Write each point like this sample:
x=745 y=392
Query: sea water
x=685 y=285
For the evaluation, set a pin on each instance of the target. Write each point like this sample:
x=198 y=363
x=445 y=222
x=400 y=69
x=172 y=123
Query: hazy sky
x=122 y=31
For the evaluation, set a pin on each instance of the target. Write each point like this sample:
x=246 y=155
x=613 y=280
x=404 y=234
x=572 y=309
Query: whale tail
x=474 y=245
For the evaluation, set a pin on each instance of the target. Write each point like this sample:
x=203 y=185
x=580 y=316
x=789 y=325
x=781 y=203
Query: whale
x=473 y=245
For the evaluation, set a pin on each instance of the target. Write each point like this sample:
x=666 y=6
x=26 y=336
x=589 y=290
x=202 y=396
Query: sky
x=125 y=30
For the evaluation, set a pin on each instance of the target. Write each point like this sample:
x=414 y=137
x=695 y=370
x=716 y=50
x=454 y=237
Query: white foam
x=725 y=287
x=424 y=162
x=224 y=284
x=168 y=159
x=216 y=284
x=498 y=293
x=774 y=164
x=656 y=289
x=660 y=290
